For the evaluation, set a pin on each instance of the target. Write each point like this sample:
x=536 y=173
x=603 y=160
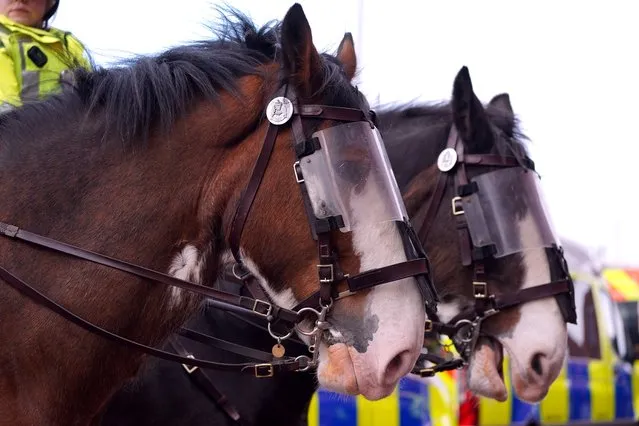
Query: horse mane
x=420 y=132
x=145 y=92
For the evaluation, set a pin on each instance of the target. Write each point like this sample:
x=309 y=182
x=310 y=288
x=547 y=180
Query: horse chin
x=336 y=371
x=486 y=372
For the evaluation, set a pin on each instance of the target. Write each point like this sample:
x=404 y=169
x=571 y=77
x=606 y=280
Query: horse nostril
x=536 y=363
x=395 y=368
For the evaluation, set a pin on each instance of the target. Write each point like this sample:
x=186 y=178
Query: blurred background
x=570 y=68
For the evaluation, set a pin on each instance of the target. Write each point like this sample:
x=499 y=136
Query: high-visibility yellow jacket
x=35 y=62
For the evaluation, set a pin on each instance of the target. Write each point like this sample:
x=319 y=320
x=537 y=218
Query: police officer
x=35 y=59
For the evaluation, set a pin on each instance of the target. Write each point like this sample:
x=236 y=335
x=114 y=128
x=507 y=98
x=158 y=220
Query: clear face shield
x=350 y=176
x=508 y=212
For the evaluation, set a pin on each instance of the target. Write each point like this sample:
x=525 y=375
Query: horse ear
x=346 y=55
x=469 y=115
x=299 y=56
x=502 y=103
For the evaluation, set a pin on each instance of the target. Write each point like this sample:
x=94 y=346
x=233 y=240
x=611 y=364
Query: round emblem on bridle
x=447 y=159
x=279 y=110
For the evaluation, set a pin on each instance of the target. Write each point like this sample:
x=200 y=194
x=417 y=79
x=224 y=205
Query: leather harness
x=328 y=268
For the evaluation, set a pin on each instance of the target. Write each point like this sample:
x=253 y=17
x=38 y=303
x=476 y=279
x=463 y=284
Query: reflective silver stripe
x=23 y=58
x=3 y=31
x=30 y=79
x=5 y=107
x=30 y=86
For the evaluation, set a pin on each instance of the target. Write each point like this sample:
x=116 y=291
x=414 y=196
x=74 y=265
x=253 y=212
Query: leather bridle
x=330 y=274
x=468 y=321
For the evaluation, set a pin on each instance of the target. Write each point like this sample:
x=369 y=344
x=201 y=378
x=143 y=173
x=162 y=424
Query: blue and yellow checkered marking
x=579 y=391
x=336 y=410
x=587 y=391
x=413 y=402
x=575 y=398
x=623 y=393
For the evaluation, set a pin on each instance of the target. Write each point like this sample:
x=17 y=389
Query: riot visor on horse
x=152 y=162
x=511 y=285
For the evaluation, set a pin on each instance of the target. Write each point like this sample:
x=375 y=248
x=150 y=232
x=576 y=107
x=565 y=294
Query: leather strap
x=224 y=345
x=496 y=304
x=327 y=112
x=386 y=274
x=246 y=201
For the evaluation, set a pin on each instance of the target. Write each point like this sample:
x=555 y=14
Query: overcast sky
x=570 y=68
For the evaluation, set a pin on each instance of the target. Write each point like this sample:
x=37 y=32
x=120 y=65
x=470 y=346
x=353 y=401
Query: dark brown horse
x=155 y=163
x=534 y=332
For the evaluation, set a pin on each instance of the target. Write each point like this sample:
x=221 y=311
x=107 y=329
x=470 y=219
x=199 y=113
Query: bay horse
x=534 y=333
x=180 y=162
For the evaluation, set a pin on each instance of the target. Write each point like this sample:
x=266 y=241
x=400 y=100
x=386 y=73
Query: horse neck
x=138 y=207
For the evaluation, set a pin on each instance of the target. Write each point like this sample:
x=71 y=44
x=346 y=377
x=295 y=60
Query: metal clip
x=305 y=363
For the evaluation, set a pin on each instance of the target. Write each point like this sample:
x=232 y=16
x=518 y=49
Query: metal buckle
x=480 y=289
x=330 y=273
x=190 y=369
x=298 y=172
x=269 y=309
x=428 y=326
x=263 y=370
x=456 y=211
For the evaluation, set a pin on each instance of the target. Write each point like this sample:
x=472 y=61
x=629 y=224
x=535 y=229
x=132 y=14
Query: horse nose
x=398 y=366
